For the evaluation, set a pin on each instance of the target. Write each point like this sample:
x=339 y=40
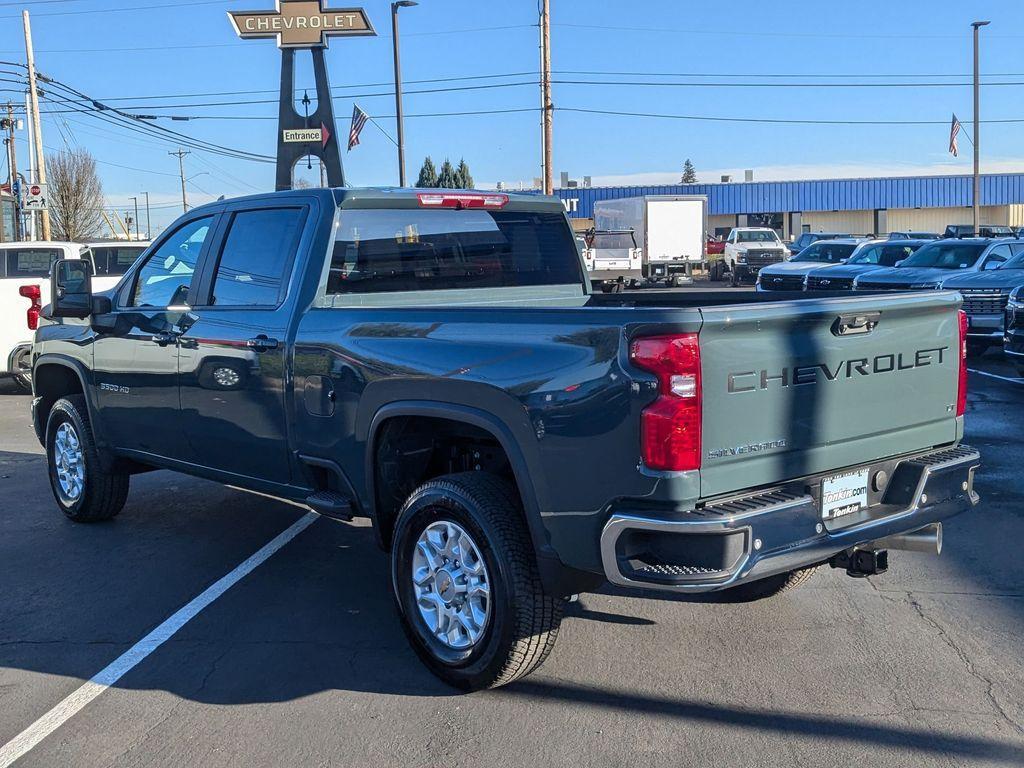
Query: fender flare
x=523 y=470
x=80 y=372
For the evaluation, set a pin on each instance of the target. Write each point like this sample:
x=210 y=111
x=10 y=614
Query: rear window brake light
x=459 y=201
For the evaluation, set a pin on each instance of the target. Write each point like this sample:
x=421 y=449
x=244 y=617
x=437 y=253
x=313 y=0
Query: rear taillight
x=671 y=425
x=961 y=394
x=460 y=200
x=34 y=294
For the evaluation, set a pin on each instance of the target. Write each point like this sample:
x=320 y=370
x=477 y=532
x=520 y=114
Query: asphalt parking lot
x=303 y=662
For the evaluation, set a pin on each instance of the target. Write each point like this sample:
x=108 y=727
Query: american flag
x=954 y=130
x=359 y=119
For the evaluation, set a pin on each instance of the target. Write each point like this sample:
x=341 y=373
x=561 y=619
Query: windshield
x=613 y=241
x=831 y=253
x=946 y=255
x=883 y=255
x=757 y=236
x=384 y=251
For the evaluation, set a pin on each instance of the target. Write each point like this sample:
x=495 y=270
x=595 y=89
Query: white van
x=24 y=291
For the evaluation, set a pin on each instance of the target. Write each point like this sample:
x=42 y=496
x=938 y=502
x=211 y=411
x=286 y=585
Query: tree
x=689 y=173
x=447 y=178
x=464 y=177
x=428 y=174
x=76 y=195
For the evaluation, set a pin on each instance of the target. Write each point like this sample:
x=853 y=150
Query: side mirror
x=992 y=265
x=71 y=288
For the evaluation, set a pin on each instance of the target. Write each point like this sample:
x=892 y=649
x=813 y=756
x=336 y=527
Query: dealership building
x=857 y=206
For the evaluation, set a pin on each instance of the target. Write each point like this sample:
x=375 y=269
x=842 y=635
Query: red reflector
x=671 y=425
x=961 y=394
x=458 y=200
x=34 y=294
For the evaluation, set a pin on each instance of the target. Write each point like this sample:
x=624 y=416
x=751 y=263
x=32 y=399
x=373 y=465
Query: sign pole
x=38 y=131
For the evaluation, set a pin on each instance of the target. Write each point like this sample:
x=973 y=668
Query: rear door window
x=31 y=262
x=115 y=260
x=403 y=250
x=257 y=252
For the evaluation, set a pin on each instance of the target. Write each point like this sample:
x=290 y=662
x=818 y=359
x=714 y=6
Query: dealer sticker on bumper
x=844 y=494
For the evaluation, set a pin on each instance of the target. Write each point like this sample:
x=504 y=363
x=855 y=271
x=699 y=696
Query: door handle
x=164 y=338
x=262 y=344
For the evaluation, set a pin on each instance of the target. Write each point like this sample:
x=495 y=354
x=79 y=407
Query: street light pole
x=977 y=129
x=398 y=86
x=136 y=201
x=149 y=222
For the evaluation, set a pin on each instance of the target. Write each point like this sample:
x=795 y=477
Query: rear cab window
x=32 y=261
x=394 y=257
x=114 y=260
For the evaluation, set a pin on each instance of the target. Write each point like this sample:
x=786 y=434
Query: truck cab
x=613 y=259
x=749 y=249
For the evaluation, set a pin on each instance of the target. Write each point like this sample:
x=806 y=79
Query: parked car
x=986 y=295
x=869 y=256
x=24 y=290
x=1013 y=334
x=433 y=361
x=914 y=236
x=613 y=259
x=936 y=262
x=715 y=246
x=985 y=230
x=807 y=238
x=112 y=259
x=791 y=275
x=749 y=249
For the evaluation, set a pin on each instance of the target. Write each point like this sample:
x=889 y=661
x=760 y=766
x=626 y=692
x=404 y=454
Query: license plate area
x=844 y=494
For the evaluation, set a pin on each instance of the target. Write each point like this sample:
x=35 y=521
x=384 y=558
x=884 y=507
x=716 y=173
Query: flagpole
x=977 y=130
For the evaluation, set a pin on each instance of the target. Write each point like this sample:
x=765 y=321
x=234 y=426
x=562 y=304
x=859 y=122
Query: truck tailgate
x=797 y=388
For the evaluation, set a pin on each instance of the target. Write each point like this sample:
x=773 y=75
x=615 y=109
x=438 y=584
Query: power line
x=767 y=34
x=119 y=10
x=780 y=121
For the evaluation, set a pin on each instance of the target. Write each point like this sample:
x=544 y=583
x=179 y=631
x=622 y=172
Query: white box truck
x=671 y=231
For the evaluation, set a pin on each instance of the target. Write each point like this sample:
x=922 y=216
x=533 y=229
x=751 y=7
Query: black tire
x=103 y=493
x=769 y=587
x=715 y=273
x=734 y=276
x=523 y=620
x=23 y=380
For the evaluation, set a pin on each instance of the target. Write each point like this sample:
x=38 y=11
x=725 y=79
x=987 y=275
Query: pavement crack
x=969 y=665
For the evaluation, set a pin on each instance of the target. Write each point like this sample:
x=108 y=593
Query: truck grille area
x=985 y=302
x=782 y=282
x=829 y=283
x=675 y=558
x=763 y=257
x=865 y=285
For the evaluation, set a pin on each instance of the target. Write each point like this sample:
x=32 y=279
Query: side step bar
x=331 y=504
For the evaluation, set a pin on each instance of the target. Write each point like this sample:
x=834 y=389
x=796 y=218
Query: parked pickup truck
x=436 y=362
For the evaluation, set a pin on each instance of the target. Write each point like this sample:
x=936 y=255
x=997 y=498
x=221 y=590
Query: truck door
x=136 y=353
x=233 y=359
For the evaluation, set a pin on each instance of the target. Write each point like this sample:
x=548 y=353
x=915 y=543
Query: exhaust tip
x=927 y=539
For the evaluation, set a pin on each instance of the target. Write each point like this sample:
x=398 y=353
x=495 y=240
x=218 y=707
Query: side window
x=997 y=256
x=257 y=251
x=165 y=278
x=31 y=262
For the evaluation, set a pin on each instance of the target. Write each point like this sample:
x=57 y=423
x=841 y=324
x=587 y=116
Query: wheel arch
x=53 y=377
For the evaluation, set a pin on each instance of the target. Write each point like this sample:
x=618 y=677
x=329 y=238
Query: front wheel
x=85 y=492
x=734 y=276
x=466 y=583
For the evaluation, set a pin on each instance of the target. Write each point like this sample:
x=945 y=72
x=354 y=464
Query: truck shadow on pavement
x=316 y=617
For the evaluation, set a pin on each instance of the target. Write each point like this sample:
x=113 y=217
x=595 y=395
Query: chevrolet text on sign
x=301 y=23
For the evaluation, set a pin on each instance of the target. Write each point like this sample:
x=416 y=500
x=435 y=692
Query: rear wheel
x=85 y=492
x=22 y=369
x=769 y=587
x=466 y=583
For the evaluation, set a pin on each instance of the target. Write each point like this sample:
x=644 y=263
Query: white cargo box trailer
x=671 y=230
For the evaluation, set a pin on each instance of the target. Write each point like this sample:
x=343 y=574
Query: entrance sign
x=301 y=23
x=304 y=24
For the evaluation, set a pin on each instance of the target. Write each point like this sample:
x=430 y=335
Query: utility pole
x=180 y=154
x=545 y=44
x=12 y=163
x=149 y=222
x=136 y=201
x=977 y=129
x=30 y=177
x=37 y=128
x=398 y=86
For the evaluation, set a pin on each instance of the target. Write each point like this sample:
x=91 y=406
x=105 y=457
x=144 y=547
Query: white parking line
x=60 y=714
x=997 y=376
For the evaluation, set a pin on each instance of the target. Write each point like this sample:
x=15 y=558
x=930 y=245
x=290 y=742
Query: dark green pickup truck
x=436 y=362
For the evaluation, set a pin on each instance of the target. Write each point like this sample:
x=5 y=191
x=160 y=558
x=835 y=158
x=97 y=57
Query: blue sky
x=737 y=47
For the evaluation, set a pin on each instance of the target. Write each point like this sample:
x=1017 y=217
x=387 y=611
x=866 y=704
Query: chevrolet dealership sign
x=301 y=23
